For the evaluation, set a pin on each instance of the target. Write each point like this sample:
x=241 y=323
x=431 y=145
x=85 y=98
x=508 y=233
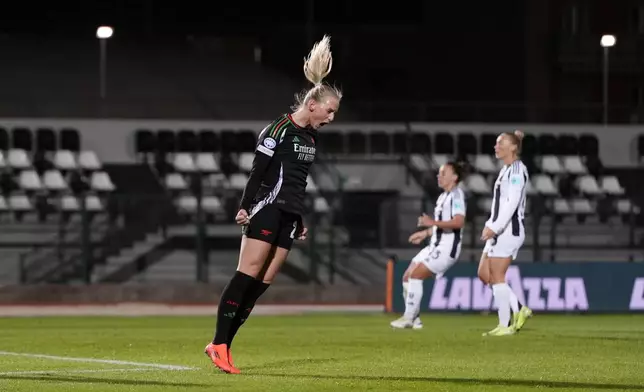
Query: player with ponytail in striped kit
x=504 y=233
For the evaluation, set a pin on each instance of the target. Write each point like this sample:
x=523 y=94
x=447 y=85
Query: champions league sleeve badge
x=270 y=143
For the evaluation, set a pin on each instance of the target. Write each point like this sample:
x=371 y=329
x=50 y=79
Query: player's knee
x=249 y=267
x=421 y=272
x=251 y=264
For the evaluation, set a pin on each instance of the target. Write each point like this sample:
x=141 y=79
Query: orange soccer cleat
x=218 y=354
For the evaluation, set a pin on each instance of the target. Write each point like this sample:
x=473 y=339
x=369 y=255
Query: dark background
x=504 y=60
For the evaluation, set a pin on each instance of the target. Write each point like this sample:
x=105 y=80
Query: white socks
x=502 y=294
x=514 y=300
x=414 y=296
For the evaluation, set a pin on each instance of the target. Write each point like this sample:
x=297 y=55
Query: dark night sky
x=411 y=50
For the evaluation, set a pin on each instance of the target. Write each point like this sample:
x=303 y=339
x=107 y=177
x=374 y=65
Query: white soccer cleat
x=402 y=323
x=417 y=323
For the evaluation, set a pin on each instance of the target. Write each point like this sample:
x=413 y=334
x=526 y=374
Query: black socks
x=254 y=291
x=229 y=305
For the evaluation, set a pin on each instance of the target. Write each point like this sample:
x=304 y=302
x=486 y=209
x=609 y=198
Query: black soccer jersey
x=284 y=154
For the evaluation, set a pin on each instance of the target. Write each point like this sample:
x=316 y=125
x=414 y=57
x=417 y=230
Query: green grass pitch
x=323 y=352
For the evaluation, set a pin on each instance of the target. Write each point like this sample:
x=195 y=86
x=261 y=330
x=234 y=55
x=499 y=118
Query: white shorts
x=504 y=246
x=436 y=259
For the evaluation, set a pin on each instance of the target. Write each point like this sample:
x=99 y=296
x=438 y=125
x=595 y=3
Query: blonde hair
x=317 y=65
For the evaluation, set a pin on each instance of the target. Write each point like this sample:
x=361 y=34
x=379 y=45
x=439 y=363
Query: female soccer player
x=273 y=201
x=444 y=247
x=504 y=233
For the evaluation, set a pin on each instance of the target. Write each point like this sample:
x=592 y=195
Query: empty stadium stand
x=168 y=217
x=54 y=196
x=369 y=186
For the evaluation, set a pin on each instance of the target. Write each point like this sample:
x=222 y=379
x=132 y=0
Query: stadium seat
x=4 y=139
x=466 y=145
x=581 y=207
x=88 y=160
x=29 y=180
x=420 y=143
x=216 y=180
x=145 y=141
x=572 y=164
x=208 y=141
x=357 y=143
x=54 y=181
x=477 y=184
x=187 y=203
x=4 y=207
x=332 y=142
x=238 y=181
x=321 y=205
x=206 y=162
x=379 y=143
x=488 y=141
x=3 y=163
x=70 y=140
x=246 y=161
x=547 y=144
x=100 y=181
x=419 y=163
x=186 y=141
x=561 y=207
x=625 y=207
x=588 y=185
x=550 y=164
x=529 y=146
x=484 y=163
x=444 y=143
x=175 y=182
x=18 y=159
x=64 y=160
x=611 y=185
x=93 y=203
x=211 y=204
x=567 y=145
x=19 y=203
x=22 y=138
x=184 y=162
x=45 y=140
x=400 y=143
x=229 y=141
x=588 y=145
x=69 y=203
x=311 y=187
x=247 y=141
x=166 y=141
x=544 y=185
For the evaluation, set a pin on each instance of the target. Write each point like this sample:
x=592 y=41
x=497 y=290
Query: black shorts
x=272 y=225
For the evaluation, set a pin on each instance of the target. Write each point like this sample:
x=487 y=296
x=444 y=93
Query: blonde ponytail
x=519 y=134
x=317 y=65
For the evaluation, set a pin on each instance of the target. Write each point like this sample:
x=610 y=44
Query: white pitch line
x=95 y=360
x=72 y=371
